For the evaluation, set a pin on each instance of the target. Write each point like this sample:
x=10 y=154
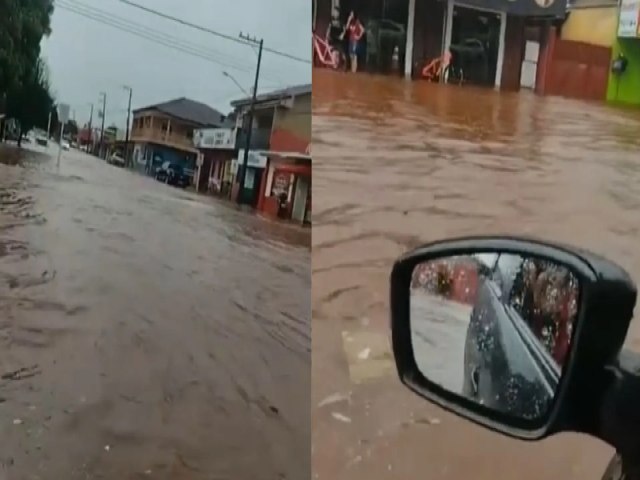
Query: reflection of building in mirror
x=545 y=297
x=455 y=278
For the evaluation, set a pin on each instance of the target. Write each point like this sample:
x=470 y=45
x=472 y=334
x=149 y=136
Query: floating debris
x=340 y=417
x=364 y=354
x=21 y=373
x=334 y=398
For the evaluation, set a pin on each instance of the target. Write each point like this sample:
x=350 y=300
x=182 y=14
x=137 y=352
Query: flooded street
x=146 y=332
x=398 y=164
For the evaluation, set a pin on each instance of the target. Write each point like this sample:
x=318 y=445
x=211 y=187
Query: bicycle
x=324 y=55
x=443 y=68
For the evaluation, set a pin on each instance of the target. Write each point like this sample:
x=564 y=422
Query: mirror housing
x=606 y=303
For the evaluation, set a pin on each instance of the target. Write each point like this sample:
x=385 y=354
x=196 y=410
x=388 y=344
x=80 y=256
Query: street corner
x=368 y=354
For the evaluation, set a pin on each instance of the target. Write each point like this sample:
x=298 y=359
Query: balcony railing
x=260 y=139
x=163 y=137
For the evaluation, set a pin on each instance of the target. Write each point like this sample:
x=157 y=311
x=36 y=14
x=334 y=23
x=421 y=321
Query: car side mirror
x=516 y=362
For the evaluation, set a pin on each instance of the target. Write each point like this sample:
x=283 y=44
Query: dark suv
x=503 y=358
x=173 y=174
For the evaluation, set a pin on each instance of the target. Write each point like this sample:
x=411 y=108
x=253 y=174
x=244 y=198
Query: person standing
x=356 y=32
x=335 y=35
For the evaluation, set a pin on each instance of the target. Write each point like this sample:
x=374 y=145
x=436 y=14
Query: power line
x=212 y=32
x=151 y=35
x=111 y=17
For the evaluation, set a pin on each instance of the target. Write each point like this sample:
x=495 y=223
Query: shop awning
x=295 y=169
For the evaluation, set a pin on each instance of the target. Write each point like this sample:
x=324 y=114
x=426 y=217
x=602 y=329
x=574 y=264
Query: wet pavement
x=397 y=164
x=438 y=337
x=145 y=331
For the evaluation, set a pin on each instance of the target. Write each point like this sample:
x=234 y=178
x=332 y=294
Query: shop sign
x=63 y=112
x=523 y=8
x=629 y=19
x=221 y=138
x=254 y=160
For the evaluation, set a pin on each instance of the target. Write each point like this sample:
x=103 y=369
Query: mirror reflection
x=494 y=327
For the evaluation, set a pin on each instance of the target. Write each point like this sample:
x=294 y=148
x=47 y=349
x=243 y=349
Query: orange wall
x=286 y=141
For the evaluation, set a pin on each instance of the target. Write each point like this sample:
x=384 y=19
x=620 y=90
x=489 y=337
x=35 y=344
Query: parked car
x=497 y=336
x=173 y=174
x=116 y=160
x=65 y=145
x=42 y=140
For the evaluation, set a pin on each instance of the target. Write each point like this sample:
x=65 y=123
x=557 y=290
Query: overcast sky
x=86 y=57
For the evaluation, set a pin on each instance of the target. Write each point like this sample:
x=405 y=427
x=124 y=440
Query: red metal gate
x=574 y=69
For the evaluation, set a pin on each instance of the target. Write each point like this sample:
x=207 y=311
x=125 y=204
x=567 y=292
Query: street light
x=232 y=78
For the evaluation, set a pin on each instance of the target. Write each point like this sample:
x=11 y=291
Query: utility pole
x=126 y=141
x=104 y=108
x=243 y=171
x=90 y=128
x=49 y=126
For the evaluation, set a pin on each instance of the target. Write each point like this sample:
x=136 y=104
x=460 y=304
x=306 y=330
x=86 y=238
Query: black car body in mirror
x=494 y=327
x=507 y=360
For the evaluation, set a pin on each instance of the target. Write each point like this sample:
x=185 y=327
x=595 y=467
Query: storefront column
x=408 y=51
x=448 y=32
x=500 y=62
x=263 y=185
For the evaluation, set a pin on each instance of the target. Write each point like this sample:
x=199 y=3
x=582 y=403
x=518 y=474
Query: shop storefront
x=485 y=38
x=286 y=192
x=255 y=168
x=216 y=146
x=382 y=49
x=625 y=72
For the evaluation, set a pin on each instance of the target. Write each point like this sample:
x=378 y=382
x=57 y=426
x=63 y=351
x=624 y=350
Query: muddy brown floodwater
x=397 y=164
x=155 y=333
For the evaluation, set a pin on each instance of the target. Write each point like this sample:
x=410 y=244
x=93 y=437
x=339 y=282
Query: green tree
x=31 y=101
x=71 y=128
x=23 y=23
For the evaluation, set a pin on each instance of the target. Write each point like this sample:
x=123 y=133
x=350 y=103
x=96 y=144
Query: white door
x=530 y=65
x=300 y=200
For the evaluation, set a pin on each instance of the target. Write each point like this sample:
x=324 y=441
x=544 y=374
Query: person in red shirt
x=355 y=31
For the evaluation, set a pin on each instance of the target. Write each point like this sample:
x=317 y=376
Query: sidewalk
x=289 y=224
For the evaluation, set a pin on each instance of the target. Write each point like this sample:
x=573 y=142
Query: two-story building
x=164 y=132
x=278 y=171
